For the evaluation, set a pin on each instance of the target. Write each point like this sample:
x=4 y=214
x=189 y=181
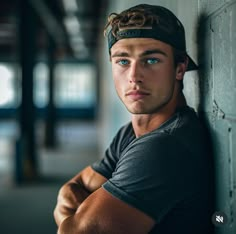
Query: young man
x=155 y=175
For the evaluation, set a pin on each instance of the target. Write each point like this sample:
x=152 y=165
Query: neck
x=145 y=123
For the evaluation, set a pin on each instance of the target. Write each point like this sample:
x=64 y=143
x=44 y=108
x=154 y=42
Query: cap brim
x=191 y=65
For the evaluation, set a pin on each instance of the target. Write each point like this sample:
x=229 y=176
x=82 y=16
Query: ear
x=181 y=69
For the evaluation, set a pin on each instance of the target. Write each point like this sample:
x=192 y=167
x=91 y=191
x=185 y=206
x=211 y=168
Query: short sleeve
x=148 y=177
x=108 y=163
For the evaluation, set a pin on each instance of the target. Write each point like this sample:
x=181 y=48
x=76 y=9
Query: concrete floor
x=28 y=208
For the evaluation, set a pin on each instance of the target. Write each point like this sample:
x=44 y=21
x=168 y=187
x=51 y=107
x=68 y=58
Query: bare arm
x=75 y=191
x=103 y=213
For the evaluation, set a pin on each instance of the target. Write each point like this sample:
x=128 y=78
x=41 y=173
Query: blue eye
x=152 y=61
x=123 y=62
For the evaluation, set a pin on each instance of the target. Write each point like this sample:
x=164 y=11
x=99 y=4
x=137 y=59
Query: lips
x=137 y=94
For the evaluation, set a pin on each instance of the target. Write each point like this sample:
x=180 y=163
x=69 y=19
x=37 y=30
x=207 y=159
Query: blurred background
x=59 y=110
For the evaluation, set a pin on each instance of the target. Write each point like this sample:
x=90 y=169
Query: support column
x=50 y=123
x=26 y=160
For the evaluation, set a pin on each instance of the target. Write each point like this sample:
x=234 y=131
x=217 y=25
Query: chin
x=139 y=112
x=147 y=111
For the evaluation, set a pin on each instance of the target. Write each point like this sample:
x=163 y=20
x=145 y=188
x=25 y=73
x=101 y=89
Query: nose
x=135 y=74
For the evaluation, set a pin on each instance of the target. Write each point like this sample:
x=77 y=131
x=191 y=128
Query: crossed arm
x=84 y=207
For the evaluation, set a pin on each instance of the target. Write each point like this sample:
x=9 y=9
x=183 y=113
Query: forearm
x=80 y=223
x=73 y=225
x=68 y=226
x=70 y=197
x=102 y=213
x=83 y=221
x=74 y=192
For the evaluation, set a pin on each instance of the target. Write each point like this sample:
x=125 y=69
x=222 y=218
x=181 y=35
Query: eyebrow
x=145 y=53
x=155 y=51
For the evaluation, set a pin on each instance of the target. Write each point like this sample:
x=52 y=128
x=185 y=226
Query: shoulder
x=188 y=130
x=125 y=131
x=185 y=118
x=150 y=156
x=174 y=146
x=122 y=138
x=153 y=150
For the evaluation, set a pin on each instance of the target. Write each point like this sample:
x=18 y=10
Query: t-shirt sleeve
x=108 y=163
x=147 y=175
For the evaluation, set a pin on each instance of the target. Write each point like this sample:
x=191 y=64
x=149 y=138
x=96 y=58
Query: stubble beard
x=154 y=109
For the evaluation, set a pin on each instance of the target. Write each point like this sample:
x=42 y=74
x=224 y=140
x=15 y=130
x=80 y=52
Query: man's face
x=144 y=74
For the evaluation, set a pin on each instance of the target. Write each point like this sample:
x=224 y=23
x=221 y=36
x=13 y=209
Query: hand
x=70 y=196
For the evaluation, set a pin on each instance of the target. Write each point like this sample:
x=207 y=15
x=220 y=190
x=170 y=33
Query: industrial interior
x=59 y=110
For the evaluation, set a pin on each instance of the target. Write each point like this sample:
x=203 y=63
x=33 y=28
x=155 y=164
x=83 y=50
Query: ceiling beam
x=49 y=21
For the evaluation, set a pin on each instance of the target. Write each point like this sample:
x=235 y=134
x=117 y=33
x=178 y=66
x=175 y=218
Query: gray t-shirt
x=165 y=173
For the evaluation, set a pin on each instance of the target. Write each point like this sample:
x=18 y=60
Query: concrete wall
x=211 y=40
x=217 y=82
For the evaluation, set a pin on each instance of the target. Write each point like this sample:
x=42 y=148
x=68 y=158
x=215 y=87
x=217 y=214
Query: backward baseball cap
x=167 y=28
